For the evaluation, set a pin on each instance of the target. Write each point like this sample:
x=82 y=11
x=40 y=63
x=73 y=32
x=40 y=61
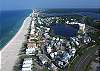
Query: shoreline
x=9 y=53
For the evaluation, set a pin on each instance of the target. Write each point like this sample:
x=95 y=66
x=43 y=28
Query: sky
x=31 y=4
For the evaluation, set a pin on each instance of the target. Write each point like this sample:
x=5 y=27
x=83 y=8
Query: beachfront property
x=27 y=64
x=53 y=41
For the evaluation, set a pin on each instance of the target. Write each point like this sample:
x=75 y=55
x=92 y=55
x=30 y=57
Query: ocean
x=11 y=21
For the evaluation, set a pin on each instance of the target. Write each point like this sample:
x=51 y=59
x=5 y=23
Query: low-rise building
x=30 y=51
x=27 y=64
x=43 y=59
x=49 y=49
x=46 y=35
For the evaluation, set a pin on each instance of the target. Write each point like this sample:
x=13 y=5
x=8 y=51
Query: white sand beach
x=9 y=53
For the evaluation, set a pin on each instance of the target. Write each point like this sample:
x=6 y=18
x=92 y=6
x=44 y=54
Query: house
x=27 y=64
x=59 y=43
x=53 y=38
x=60 y=63
x=72 y=19
x=73 y=50
x=57 y=39
x=32 y=25
x=52 y=55
x=53 y=67
x=52 y=42
x=55 y=53
x=32 y=31
x=82 y=27
x=61 y=40
x=46 y=35
x=31 y=39
x=26 y=69
x=49 y=49
x=47 y=30
x=39 y=21
x=67 y=22
x=75 y=40
x=30 y=51
x=87 y=40
x=66 y=57
x=31 y=45
x=43 y=59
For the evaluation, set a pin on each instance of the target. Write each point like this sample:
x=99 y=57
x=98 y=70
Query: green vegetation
x=97 y=24
x=22 y=50
x=95 y=36
x=89 y=21
x=72 y=63
x=86 y=51
x=45 y=69
x=87 y=67
x=83 y=50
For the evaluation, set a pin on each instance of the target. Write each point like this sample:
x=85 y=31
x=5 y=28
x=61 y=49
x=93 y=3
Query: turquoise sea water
x=10 y=23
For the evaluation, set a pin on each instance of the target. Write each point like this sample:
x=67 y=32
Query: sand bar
x=9 y=53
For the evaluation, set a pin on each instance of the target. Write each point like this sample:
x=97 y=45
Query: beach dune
x=9 y=53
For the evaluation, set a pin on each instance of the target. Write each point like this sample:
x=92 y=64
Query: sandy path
x=9 y=53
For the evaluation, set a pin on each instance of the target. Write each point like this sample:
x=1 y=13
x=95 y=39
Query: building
x=27 y=64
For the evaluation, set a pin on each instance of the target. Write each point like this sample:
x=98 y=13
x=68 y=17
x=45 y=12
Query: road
x=85 y=59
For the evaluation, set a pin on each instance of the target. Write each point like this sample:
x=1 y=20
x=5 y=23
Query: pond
x=65 y=30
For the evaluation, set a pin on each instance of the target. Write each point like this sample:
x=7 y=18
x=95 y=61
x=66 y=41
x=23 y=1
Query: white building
x=43 y=59
x=73 y=50
x=30 y=51
x=53 y=67
x=26 y=69
x=82 y=26
x=32 y=31
x=87 y=40
x=53 y=38
x=52 y=55
x=49 y=49
x=27 y=64
x=47 y=30
x=46 y=35
x=75 y=40
x=32 y=25
x=67 y=22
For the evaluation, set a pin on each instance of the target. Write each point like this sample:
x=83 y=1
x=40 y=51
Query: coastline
x=9 y=53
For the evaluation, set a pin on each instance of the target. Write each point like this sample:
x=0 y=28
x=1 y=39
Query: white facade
x=30 y=51
x=49 y=49
x=27 y=64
